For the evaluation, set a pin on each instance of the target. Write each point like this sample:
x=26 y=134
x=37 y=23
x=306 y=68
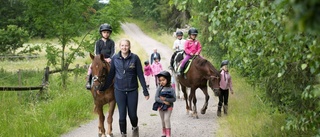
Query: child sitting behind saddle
x=191 y=47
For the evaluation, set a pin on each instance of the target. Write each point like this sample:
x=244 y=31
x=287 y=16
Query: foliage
x=11 y=13
x=66 y=20
x=12 y=38
x=283 y=63
x=164 y=12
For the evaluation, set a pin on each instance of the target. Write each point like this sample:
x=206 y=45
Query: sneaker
x=135 y=131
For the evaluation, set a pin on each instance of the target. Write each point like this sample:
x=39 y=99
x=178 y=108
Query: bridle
x=101 y=77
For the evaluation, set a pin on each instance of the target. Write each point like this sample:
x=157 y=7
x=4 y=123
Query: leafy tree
x=68 y=19
x=11 y=12
x=258 y=39
x=12 y=38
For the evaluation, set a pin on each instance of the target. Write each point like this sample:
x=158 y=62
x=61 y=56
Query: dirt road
x=183 y=125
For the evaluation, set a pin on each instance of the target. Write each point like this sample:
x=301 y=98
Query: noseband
x=101 y=78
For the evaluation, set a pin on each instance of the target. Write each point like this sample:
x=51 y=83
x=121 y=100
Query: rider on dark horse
x=192 y=47
x=178 y=46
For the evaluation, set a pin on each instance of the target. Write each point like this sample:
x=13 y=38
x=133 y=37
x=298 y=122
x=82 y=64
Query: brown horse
x=100 y=68
x=200 y=72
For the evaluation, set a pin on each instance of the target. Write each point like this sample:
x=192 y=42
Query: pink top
x=192 y=46
x=225 y=80
x=156 y=68
x=147 y=70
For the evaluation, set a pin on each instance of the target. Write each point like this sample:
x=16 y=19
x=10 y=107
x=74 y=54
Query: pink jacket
x=147 y=70
x=156 y=68
x=225 y=80
x=192 y=46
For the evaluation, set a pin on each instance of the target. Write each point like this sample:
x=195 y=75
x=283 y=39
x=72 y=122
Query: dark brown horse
x=201 y=72
x=100 y=68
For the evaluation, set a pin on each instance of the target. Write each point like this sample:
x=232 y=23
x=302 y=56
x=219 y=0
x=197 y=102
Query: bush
x=12 y=38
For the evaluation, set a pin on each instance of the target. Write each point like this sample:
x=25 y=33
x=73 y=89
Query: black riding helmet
x=179 y=33
x=165 y=74
x=225 y=62
x=193 y=31
x=105 y=27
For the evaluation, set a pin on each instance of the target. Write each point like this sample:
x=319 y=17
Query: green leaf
x=303 y=66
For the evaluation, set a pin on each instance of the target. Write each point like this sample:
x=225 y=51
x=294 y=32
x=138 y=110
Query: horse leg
x=112 y=106
x=194 y=101
x=205 y=106
x=185 y=97
x=102 y=131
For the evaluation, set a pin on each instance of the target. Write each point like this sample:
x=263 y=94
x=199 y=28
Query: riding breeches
x=165 y=118
x=223 y=97
x=127 y=103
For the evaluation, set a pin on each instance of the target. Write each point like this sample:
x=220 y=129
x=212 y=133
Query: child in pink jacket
x=156 y=69
x=147 y=73
x=191 y=47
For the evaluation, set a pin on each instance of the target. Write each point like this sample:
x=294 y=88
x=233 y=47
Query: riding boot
x=225 y=109
x=135 y=131
x=123 y=128
x=219 y=111
x=163 y=132
x=168 y=132
x=89 y=80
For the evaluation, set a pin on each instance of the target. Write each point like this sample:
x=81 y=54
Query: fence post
x=19 y=80
x=76 y=73
x=45 y=79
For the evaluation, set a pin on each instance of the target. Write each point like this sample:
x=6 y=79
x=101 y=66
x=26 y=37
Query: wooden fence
x=41 y=87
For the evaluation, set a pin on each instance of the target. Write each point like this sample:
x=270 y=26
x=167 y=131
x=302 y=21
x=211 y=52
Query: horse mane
x=203 y=62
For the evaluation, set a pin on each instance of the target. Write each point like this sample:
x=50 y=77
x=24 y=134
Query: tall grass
x=249 y=115
x=49 y=114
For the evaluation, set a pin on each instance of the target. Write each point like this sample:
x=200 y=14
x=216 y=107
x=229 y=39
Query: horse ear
x=91 y=56
x=101 y=57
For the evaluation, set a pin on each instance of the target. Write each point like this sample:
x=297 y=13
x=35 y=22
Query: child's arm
x=231 y=89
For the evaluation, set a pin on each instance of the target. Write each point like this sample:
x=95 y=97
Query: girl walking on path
x=165 y=96
x=147 y=73
x=156 y=69
x=225 y=85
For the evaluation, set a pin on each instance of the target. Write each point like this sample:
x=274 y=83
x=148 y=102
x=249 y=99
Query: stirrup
x=88 y=86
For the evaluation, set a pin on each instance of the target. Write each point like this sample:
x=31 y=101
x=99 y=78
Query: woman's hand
x=108 y=60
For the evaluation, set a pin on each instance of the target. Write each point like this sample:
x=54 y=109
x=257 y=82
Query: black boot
x=225 y=109
x=219 y=111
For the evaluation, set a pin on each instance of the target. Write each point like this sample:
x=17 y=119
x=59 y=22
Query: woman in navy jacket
x=125 y=68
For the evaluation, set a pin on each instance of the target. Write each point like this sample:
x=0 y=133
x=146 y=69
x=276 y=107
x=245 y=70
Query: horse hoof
x=110 y=135
x=203 y=111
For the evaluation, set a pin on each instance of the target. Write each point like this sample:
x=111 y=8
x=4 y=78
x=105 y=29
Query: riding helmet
x=225 y=62
x=193 y=31
x=166 y=74
x=179 y=33
x=105 y=27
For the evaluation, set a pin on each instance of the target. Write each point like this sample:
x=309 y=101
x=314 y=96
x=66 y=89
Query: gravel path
x=182 y=124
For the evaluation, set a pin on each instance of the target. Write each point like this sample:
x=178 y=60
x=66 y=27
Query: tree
x=66 y=20
x=12 y=38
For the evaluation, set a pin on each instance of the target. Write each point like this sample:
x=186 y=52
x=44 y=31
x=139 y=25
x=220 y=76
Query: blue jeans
x=127 y=102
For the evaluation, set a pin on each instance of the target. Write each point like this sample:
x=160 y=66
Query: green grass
x=249 y=115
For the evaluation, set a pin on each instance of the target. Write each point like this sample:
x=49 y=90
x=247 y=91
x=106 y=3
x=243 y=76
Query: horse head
x=100 y=69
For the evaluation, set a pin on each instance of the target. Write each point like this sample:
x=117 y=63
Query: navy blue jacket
x=125 y=71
